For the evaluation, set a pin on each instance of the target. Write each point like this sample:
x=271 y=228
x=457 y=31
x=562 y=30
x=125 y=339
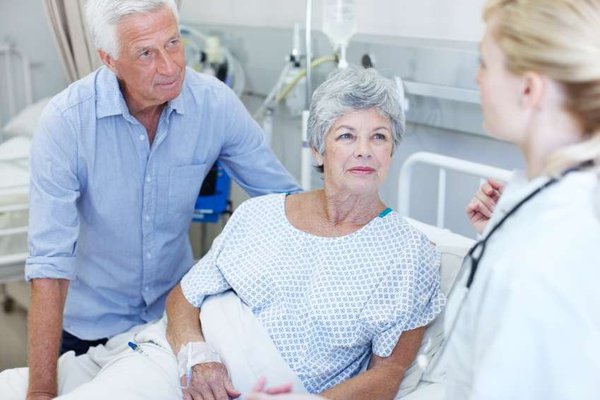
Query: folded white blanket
x=116 y=371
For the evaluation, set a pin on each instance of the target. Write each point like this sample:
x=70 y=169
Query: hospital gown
x=327 y=303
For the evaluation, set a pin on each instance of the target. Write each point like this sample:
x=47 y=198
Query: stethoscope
x=476 y=252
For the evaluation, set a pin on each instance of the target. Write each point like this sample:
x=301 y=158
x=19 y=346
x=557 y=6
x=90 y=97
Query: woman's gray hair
x=351 y=89
x=103 y=17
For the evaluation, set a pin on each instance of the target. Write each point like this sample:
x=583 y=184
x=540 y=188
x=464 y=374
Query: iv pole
x=306 y=160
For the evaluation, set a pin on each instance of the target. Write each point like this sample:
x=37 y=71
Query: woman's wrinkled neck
x=346 y=207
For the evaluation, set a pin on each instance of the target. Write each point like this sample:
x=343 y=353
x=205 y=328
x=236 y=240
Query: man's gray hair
x=103 y=17
x=351 y=89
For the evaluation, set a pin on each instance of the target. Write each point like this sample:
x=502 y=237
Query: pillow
x=452 y=248
x=25 y=122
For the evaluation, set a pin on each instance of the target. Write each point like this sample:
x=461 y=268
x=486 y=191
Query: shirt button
x=148 y=255
x=142 y=137
x=147 y=218
x=148 y=179
x=146 y=288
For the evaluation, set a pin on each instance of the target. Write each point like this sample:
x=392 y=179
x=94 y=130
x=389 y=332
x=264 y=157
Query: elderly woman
x=340 y=282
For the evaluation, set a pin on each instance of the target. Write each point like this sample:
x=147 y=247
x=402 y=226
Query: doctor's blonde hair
x=559 y=39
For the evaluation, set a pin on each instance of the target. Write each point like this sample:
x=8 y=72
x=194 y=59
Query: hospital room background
x=430 y=47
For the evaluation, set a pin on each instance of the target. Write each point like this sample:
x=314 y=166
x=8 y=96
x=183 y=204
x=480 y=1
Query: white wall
x=437 y=19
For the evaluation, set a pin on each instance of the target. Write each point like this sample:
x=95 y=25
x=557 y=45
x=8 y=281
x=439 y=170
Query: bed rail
x=444 y=164
x=17 y=89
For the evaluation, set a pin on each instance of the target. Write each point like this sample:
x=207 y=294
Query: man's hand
x=210 y=381
x=482 y=205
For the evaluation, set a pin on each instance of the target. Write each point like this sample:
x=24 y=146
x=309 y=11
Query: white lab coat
x=530 y=325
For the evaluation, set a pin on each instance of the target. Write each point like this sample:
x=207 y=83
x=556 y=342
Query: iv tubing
x=288 y=88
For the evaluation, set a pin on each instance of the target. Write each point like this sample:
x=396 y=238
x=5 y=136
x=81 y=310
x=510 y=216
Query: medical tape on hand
x=195 y=353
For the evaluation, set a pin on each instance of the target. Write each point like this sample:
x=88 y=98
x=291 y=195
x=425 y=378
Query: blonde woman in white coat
x=529 y=324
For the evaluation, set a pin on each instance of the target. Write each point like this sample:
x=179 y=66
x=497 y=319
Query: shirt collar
x=110 y=100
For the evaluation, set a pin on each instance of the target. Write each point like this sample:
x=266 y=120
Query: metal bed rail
x=443 y=164
x=17 y=89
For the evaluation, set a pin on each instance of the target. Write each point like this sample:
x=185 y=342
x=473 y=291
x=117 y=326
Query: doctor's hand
x=261 y=387
x=281 y=392
x=210 y=381
x=481 y=206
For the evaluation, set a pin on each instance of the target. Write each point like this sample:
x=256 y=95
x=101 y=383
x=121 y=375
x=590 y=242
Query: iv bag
x=339 y=21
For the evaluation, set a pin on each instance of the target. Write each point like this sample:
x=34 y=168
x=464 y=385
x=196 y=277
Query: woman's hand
x=210 y=381
x=481 y=206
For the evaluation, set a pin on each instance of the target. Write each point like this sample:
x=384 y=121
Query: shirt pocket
x=184 y=187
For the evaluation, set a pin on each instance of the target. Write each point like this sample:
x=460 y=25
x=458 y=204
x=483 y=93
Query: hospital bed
x=425 y=379
x=17 y=120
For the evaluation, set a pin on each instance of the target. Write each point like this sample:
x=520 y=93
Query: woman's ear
x=318 y=157
x=533 y=90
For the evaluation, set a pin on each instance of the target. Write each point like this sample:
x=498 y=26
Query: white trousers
x=115 y=370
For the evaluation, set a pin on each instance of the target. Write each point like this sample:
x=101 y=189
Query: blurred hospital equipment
x=205 y=53
x=339 y=24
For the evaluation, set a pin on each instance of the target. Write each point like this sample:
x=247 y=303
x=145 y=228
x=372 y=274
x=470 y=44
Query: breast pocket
x=184 y=186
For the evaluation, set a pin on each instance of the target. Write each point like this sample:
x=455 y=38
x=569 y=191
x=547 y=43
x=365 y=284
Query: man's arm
x=52 y=236
x=247 y=157
x=44 y=335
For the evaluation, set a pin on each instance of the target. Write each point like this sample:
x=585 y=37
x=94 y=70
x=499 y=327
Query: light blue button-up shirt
x=111 y=213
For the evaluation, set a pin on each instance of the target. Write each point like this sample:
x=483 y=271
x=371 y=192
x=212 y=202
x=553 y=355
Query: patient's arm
x=183 y=322
x=209 y=380
x=382 y=378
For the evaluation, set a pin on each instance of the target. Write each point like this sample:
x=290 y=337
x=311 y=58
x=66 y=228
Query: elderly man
x=116 y=166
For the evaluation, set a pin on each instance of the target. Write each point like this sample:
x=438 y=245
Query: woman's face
x=500 y=91
x=358 y=151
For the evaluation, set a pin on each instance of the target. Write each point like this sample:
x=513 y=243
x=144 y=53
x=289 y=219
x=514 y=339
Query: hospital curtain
x=66 y=18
